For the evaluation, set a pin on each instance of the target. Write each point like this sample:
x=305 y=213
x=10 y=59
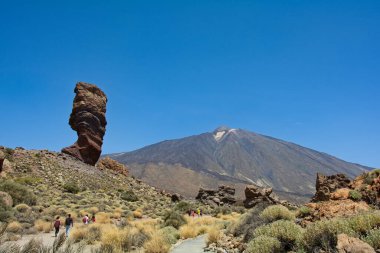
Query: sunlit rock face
x=88 y=119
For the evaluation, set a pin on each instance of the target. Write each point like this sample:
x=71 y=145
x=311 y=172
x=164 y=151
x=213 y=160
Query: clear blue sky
x=303 y=71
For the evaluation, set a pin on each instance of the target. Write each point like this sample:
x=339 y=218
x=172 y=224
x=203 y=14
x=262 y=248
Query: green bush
x=373 y=238
x=28 y=180
x=355 y=195
x=5 y=211
x=303 y=211
x=129 y=196
x=22 y=208
x=323 y=234
x=222 y=210
x=277 y=212
x=362 y=223
x=248 y=222
x=171 y=234
x=71 y=188
x=174 y=219
x=370 y=176
x=183 y=206
x=19 y=193
x=264 y=244
x=287 y=232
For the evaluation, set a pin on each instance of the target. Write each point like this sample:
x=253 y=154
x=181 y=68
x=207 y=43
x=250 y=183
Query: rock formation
x=175 y=197
x=347 y=244
x=325 y=185
x=1 y=160
x=224 y=195
x=88 y=119
x=255 y=195
x=112 y=165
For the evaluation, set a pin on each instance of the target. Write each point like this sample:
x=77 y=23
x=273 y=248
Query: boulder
x=6 y=199
x=347 y=244
x=255 y=195
x=325 y=185
x=88 y=120
x=224 y=195
x=176 y=197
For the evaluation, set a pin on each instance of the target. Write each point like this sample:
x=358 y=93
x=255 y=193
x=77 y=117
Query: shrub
x=129 y=196
x=14 y=227
x=22 y=208
x=103 y=218
x=187 y=231
x=222 y=210
x=71 y=187
x=249 y=222
x=157 y=244
x=323 y=234
x=174 y=219
x=370 y=176
x=287 y=232
x=43 y=226
x=28 y=180
x=171 y=234
x=78 y=233
x=183 y=206
x=137 y=214
x=5 y=211
x=277 y=212
x=373 y=238
x=214 y=235
x=303 y=211
x=19 y=193
x=264 y=244
x=362 y=223
x=355 y=195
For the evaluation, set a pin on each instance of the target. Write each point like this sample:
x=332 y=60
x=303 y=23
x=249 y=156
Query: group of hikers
x=197 y=212
x=69 y=223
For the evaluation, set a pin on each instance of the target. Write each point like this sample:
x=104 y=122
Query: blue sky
x=303 y=71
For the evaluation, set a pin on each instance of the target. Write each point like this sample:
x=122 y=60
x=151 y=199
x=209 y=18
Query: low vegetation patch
x=276 y=212
x=264 y=244
x=19 y=193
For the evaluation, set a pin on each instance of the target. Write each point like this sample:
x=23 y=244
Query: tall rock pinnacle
x=88 y=118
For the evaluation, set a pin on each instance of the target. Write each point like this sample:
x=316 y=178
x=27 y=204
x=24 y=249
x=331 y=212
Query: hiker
x=93 y=218
x=189 y=212
x=86 y=219
x=57 y=225
x=198 y=212
x=192 y=213
x=68 y=223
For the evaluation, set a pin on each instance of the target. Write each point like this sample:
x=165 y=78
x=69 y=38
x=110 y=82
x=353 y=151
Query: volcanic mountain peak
x=222 y=131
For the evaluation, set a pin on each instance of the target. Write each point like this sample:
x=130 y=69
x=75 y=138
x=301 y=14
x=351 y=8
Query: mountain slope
x=233 y=156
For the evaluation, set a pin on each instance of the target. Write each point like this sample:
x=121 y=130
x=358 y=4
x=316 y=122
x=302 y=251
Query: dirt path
x=195 y=245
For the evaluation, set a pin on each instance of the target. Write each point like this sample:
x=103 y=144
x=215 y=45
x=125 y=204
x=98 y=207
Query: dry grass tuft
x=14 y=227
x=43 y=226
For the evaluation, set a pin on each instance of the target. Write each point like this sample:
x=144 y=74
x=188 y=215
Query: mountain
x=235 y=157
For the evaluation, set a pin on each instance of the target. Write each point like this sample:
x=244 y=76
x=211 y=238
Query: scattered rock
x=2 y=157
x=347 y=244
x=325 y=185
x=6 y=199
x=255 y=195
x=224 y=195
x=110 y=164
x=334 y=208
x=176 y=197
x=340 y=194
x=88 y=119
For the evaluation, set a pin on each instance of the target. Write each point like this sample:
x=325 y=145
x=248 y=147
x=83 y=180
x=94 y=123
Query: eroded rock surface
x=255 y=195
x=89 y=120
x=224 y=195
x=347 y=244
x=112 y=165
x=325 y=185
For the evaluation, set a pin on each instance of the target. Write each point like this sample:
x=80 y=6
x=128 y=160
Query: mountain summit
x=236 y=157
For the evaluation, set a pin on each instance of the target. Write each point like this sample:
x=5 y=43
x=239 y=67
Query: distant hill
x=235 y=157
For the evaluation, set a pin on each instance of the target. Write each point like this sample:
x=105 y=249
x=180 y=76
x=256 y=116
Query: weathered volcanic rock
x=176 y=197
x=1 y=160
x=325 y=185
x=112 y=165
x=224 y=195
x=255 y=195
x=6 y=199
x=89 y=120
x=347 y=244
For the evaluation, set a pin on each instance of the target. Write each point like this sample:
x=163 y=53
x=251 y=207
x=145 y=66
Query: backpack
x=84 y=219
x=57 y=223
